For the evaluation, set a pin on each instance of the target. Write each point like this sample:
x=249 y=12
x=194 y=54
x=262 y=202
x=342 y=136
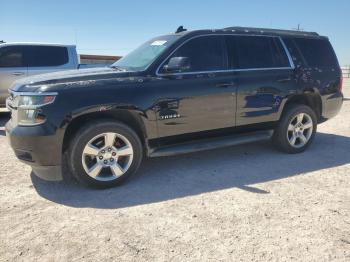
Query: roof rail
x=267 y=30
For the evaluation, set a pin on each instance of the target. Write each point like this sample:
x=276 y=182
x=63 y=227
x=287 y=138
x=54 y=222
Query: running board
x=213 y=143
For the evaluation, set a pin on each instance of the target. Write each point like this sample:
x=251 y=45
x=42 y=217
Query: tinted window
x=231 y=44
x=293 y=51
x=260 y=52
x=205 y=53
x=279 y=53
x=11 y=56
x=316 y=52
x=37 y=56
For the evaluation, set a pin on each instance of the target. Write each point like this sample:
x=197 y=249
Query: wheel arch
x=313 y=100
x=130 y=118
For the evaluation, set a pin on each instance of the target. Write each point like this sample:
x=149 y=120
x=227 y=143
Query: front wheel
x=103 y=154
x=296 y=129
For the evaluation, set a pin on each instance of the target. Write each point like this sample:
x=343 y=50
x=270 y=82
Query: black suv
x=177 y=93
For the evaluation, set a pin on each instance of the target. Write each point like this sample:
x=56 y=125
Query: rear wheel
x=105 y=153
x=296 y=129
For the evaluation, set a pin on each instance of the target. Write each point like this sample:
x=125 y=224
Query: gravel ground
x=245 y=203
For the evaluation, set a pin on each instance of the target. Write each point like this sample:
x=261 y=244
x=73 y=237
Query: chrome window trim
x=226 y=71
x=291 y=63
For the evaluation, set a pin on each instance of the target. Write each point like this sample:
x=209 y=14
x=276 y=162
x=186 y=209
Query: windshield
x=143 y=56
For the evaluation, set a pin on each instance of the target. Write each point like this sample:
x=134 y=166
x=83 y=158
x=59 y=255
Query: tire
x=110 y=150
x=289 y=128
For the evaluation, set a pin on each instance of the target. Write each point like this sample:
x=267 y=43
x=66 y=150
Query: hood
x=31 y=84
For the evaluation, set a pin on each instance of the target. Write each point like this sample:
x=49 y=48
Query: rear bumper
x=331 y=105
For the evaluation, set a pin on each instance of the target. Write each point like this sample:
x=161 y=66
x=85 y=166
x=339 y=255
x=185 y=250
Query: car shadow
x=168 y=178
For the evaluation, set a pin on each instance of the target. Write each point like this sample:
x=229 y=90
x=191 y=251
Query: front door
x=203 y=97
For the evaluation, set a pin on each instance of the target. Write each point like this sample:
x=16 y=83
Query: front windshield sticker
x=159 y=42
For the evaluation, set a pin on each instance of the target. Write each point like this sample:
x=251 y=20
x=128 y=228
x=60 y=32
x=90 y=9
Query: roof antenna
x=180 y=29
x=298 y=28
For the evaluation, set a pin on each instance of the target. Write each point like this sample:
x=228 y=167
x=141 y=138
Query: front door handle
x=225 y=85
x=17 y=73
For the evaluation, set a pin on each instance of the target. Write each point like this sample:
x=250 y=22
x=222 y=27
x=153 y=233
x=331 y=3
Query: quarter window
x=259 y=52
x=11 y=56
x=41 y=56
x=205 y=53
x=317 y=53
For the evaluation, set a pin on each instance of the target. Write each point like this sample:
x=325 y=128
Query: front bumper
x=38 y=146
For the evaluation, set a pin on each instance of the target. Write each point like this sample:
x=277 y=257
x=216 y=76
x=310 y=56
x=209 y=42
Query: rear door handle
x=17 y=73
x=225 y=85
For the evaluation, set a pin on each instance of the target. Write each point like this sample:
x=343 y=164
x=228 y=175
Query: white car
x=19 y=60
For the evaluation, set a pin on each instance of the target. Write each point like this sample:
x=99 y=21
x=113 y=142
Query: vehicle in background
x=19 y=60
x=93 y=61
x=98 y=59
x=177 y=93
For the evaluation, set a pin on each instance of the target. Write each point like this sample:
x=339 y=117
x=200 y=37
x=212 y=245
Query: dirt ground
x=245 y=203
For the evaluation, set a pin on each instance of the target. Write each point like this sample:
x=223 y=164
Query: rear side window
x=257 y=52
x=293 y=51
x=316 y=52
x=206 y=53
x=232 y=55
x=11 y=56
x=42 y=56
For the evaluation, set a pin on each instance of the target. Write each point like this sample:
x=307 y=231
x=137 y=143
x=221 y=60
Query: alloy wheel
x=107 y=156
x=300 y=130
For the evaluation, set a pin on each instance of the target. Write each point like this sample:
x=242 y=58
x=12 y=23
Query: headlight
x=35 y=101
x=29 y=107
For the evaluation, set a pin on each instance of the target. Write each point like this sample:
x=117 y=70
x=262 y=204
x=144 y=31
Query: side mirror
x=177 y=64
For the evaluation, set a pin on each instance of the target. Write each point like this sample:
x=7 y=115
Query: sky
x=113 y=27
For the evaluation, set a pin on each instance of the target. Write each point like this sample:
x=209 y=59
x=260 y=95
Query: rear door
x=266 y=76
x=12 y=68
x=46 y=59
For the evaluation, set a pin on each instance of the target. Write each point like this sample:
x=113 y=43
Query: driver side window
x=204 y=53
